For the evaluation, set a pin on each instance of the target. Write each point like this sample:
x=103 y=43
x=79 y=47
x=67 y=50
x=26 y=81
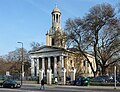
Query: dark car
x=68 y=79
x=103 y=79
x=80 y=81
x=11 y=84
x=98 y=79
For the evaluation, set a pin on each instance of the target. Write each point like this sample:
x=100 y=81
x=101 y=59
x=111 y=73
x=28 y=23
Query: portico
x=49 y=59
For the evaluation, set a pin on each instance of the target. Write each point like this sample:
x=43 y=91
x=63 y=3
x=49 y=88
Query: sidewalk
x=77 y=87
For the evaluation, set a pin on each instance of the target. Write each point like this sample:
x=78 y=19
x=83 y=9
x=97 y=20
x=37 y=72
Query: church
x=55 y=56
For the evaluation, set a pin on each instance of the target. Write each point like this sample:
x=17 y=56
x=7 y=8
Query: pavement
x=77 y=87
x=61 y=88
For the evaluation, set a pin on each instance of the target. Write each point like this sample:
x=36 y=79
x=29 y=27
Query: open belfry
x=54 y=60
x=55 y=35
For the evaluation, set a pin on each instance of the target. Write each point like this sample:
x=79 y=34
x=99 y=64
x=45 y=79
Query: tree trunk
x=103 y=70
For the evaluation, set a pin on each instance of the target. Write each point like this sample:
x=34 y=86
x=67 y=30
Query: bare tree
x=96 y=33
x=16 y=55
x=12 y=61
x=35 y=45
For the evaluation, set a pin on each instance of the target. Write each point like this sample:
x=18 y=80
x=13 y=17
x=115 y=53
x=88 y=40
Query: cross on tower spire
x=56 y=3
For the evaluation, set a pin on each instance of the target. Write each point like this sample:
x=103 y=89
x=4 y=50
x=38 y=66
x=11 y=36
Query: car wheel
x=12 y=86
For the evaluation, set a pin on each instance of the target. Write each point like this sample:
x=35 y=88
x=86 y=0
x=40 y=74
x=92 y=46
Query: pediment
x=48 y=49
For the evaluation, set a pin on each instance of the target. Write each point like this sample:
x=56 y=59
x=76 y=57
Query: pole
x=115 y=75
x=22 y=64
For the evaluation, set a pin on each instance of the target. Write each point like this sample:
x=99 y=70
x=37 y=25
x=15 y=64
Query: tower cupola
x=55 y=36
x=56 y=14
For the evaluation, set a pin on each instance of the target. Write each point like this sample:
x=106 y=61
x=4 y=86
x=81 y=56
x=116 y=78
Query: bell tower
x=54 y=36
x=56 y=14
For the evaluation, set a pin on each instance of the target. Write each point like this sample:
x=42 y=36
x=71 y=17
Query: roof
x=56 y=10
x=45 y=48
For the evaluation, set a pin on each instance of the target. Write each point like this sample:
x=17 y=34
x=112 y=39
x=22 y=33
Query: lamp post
x=22 y=64
x=115 y=75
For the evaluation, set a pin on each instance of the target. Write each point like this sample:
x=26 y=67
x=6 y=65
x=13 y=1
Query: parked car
x=68 y=79
x=30 y=78
x=1 y=84
x=103 y=78
x=98 y=79
x=11 y=84
x=118 y=78
x=81 y=81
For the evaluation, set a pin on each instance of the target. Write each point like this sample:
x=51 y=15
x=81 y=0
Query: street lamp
x=115 y=75
x=22 y=64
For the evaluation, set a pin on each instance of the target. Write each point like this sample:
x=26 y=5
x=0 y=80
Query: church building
x=55 y=56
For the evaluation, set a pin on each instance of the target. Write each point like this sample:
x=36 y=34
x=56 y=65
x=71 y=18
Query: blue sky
x=29 y=20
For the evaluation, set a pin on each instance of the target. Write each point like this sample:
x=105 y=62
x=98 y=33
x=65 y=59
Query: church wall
x=81 y=68
x=50 y=53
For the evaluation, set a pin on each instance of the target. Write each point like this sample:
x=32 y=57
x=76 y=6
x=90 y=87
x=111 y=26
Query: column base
x=63 y=76
x=49 y=76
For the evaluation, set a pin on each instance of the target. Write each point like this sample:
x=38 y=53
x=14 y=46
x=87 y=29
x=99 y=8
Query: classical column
x=63 y=76
x=55 y=18
x=62 y=61
x=86 y=68
x=37 y=61
x=49 y=66
x=72 y=73
x=52 y=19
x=32 y=67
x=43 y=63
x=49 y=72
x=60 y=64
x=55 y=67
x=35 y=67
x=58 y=19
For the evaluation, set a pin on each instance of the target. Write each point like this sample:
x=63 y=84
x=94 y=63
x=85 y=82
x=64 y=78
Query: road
x=59 y=88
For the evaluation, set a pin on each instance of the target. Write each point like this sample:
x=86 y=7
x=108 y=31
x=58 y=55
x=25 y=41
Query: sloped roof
x=46 y=48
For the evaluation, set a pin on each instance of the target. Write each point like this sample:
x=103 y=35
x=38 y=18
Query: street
x=59 y=88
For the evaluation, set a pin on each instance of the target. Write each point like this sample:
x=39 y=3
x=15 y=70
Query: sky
x=28 y=21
